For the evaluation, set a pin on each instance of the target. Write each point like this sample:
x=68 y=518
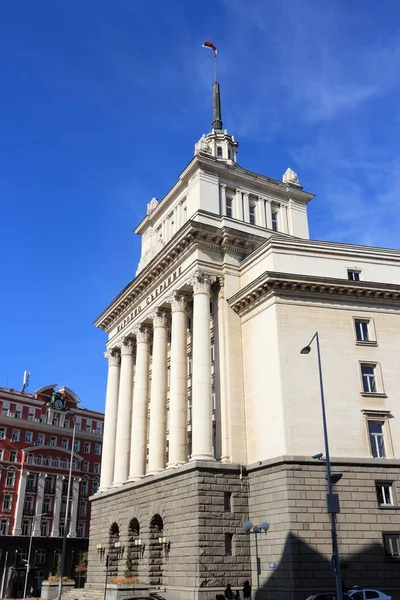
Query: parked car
x=356 y=593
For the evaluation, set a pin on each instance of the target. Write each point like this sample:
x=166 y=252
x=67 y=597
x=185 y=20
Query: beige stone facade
x=212 y=413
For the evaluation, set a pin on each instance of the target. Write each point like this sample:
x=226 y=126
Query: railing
x=49 y=490
x=31 y=488
x=28 y=512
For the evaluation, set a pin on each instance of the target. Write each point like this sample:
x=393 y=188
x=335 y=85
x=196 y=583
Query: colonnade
x=125 y=429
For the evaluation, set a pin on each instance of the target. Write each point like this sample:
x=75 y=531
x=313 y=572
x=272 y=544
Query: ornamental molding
x=179 y=301
x=127 y=346
x=113 y=357
x=192 y=235
x=160 y=317
x=294 y=285
x=142 y=333
x=201 y=282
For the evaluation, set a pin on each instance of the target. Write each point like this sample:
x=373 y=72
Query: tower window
x=229 y=154
x=252 y=213
x=219 y=151
x=275 y=220
x=228 y=207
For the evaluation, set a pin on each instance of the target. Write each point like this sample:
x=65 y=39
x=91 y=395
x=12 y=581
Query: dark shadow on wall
x=303 y=571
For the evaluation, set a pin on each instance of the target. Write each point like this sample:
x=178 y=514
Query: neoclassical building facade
x=212 y=414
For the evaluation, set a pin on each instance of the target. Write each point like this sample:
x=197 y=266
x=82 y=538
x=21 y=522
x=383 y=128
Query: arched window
x=39 y=459
x=134 y=528
x=56 y=462
x=219 y=151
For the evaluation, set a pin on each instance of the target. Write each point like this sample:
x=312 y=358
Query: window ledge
x=389 y=506
x=366 y=343
x=373 y=394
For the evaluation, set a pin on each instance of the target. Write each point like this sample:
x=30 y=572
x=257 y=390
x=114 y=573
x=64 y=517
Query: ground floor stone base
x=182 y=530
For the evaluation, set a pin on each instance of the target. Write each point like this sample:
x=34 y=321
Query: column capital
x=160 y=318
x=127 y=346
x=142 y=333
x=201 y=282
x=113 y=357
x=179 y=302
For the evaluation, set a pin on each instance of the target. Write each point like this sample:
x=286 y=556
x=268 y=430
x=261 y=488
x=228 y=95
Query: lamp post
x=332 y=499
x=250 y=528
x=64 y=544
x=28 y=566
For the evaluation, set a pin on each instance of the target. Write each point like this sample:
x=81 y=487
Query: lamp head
x=248 y=526
x=317 y=456
x=265 y=525
x=305 y=350
x=256 y=529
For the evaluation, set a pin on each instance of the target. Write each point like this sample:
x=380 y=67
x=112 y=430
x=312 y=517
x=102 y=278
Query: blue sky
x=101 y=104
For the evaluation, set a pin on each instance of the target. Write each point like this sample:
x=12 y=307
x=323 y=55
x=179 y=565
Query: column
x=20 y=502
x=137 y=468
x=74 y=507
x=110 y=422
x=246 y=208
x=268 y=211
x=158 y=396
x=39 y=503
x=201 y=378
x=178 y=385
x=57 y=506
x=261 y=211
x=239 y=205
x=123 y=434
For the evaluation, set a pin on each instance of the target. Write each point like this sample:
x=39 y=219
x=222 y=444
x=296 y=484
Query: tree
x=58 y=569
x=128 y=564
x=83 y=563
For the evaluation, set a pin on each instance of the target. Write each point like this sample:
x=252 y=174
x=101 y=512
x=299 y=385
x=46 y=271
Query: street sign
x=272 y=565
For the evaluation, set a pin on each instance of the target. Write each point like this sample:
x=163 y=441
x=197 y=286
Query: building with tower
x=213 y=415
x=36 y=432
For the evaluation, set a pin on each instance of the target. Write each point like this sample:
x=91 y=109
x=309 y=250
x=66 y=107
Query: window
x=61 y=531
x=13 y=456
x=228 y=544
x=213 y=399
x=78 y=423
x=76 y=445
x=384 y=493
x=95 y=486
x=56 y=462
x=80 y=530
x=377 y=438
x=369 y=372
x=25 y=528
x=82 y=508
x=40 y=556
x=31 y=414
x=363 y=330
x=3 y=526
x=7 y=501
x=219 y=151
x=189 y=365
x=66 y=423
x=28 y=437
x=99 y=428
x=84 y=487
x=392 y=544
x=18 y=411
x=370 y=594
x=1 y=453
x=46 y=507
x=97 y=449
x=252 y=213
x=15 y=435
x=97 y=465
x=189 y=323
x=228 y=501
x=44 y=528
x=353 y=275
x=274 y=220
x=64 y=463
x=85 y=466
x=212 y=351
x=53 y=440
x=54 y=421
x=10 y=481
x=64 y=443
x=2 y=433
x=5 y=409
x=228 y=207
x=88 y=426
x=41 y=439
x=86 y=447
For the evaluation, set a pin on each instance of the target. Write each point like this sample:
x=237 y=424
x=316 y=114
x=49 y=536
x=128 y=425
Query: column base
x=117 y=484
x=154 y=472
x=175 y=464
x=209 y=457
x=135 y=477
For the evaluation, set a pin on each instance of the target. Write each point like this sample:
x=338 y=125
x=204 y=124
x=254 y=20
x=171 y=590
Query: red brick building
x=36 y=432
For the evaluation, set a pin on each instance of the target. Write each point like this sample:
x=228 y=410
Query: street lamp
x=256 y=529
x=332 y=499
x=28 y=566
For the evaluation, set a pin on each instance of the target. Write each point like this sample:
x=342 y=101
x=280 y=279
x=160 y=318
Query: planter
x=120 y=591
x=50 y=589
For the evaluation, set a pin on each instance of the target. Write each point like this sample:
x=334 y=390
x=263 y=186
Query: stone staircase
x=86 y=593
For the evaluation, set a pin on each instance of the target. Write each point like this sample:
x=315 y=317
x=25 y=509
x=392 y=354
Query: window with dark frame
x=362 y=330
x=228 y=207
x=228 y=544
x=377 y=438
x=384 y=493
x=274 y=217
x=368 y=374
x=353 y=275
x=252 y=213
x=228 y=502
x=391 y=543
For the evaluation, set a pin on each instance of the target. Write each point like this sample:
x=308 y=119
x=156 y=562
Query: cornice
x=292 y=285
x=193 y=234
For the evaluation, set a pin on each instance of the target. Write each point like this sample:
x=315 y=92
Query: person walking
x=228 y=592
x=237 y=595
x=246 y=590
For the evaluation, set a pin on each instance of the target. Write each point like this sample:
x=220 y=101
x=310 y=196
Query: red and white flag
x=212 y=47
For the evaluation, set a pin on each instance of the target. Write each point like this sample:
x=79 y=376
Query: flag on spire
x=212 y=47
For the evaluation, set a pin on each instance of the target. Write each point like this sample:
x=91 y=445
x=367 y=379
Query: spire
x=217 y=117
